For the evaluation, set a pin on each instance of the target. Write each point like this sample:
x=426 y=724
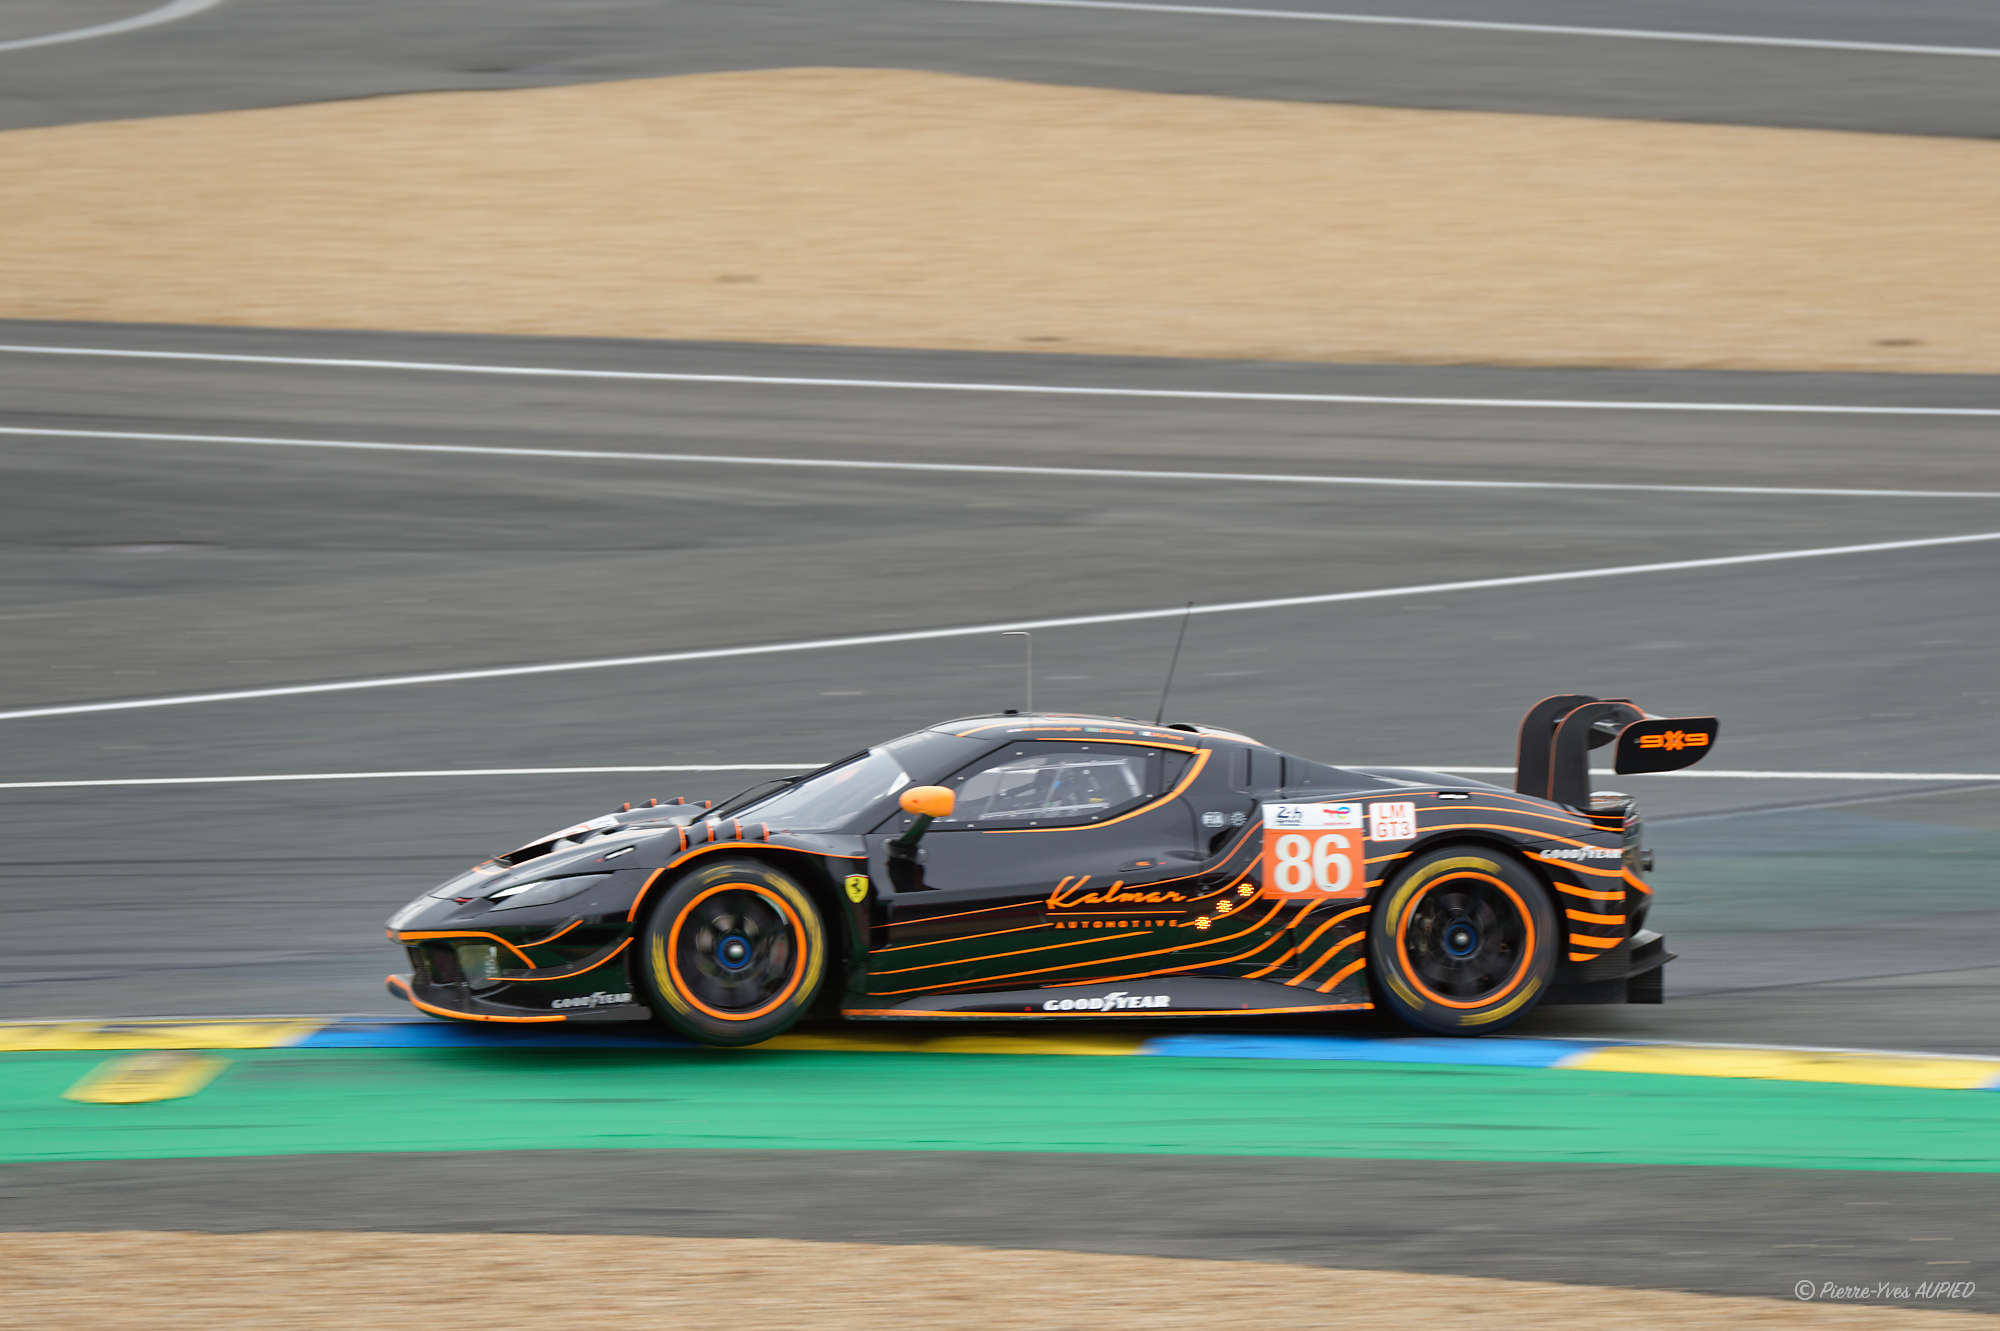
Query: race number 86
x=1305 y=865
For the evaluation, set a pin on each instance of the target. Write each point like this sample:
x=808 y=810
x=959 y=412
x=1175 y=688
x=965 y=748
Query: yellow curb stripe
x=57 y=1037
x=1858 y=1069
x=136 y=1079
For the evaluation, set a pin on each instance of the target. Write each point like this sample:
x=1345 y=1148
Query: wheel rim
x=1467 y=940
x=735 y=952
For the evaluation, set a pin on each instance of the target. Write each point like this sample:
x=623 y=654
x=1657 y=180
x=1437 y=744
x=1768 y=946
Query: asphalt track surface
x=1850 y=913
x=248 y=53
x=1714 y=1230
x=202 y=566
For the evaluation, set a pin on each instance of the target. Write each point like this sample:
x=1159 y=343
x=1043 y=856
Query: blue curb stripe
x=1664 y=1058
x=366 y=1033
x=1489 y=1053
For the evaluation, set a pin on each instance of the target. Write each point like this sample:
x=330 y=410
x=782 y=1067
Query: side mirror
x=929 y=801
x=924 y=803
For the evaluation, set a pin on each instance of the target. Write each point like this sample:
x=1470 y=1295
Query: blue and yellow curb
x=1850 y=1067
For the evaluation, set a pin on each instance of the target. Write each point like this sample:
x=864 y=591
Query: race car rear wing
x=1557 y=735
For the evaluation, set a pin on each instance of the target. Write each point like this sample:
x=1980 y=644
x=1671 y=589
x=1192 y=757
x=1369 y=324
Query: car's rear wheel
x=1463 y=942
x=733 y=953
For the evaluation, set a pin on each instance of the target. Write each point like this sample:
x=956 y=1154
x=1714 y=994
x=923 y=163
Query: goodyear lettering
x=592 y=1000
x=1115 y=1001
x=1581 y=853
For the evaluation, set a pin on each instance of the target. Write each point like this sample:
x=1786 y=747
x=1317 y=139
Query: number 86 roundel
x=1313 y=852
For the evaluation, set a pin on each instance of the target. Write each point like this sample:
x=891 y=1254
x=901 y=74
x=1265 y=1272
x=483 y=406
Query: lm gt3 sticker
x=1392 y=820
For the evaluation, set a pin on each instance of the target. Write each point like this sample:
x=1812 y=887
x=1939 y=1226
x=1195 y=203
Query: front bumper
x=453 y=973
x=458 y=1003
x=1635 y=972
x=561 y=961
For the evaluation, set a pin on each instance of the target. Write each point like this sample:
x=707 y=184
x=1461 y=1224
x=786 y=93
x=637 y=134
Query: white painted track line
x=978 y=630
x=1050 y=390
x=152 y=18
x=432 y=773
x=449 y=773
x=1734 y=774
x=974 y=468
x=1484 y=25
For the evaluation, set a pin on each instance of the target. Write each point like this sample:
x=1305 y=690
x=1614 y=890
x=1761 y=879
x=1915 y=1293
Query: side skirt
x=1176 y=997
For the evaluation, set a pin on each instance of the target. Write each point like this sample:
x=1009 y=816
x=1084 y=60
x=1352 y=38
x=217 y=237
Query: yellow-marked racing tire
x=1463 y=942
x=733 y=953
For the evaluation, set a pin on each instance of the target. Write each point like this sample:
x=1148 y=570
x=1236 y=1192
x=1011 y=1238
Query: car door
x=1064 y=861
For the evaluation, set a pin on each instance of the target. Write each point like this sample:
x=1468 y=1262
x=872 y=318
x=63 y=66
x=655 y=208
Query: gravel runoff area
x=341 y=1279
x=899 y=209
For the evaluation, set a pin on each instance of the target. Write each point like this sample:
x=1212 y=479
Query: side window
x=1039 y=784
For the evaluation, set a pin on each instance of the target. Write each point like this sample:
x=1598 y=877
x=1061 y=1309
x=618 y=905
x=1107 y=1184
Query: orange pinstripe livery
x=527 y=962
x=1176 y=970
x=1187 y=779
x=1499 y=827
x=1573 y=867
x=1589 y=893
x=557 y=934
x=1357 y=964
x=1455 y=806
x=1059 y=1016
x=681 y=859
x=570 y=975
x=1134 y=956
x=1310 y=938
x=402 y=987
x=961 y=914
x=1327 y=956
x=957 y=938
x=1093 y=735
x=995 y=956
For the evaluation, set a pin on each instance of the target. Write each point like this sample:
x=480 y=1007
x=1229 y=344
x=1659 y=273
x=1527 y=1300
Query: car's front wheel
x=733 y=953
x=1463 y=942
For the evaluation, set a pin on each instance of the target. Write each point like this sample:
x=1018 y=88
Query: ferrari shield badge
x=857 y=887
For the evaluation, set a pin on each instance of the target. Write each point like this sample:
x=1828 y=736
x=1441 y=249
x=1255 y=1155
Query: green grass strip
x=292 y=1101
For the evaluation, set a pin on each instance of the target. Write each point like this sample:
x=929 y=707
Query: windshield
x=828 y=800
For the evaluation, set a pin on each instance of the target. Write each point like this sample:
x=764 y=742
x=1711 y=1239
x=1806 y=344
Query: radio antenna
x=1173 y=661
x=1027 y=641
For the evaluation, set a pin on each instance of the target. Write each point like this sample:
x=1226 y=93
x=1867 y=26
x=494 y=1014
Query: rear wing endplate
x=1557 y=735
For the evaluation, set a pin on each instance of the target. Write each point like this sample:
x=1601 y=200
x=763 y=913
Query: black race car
x=1050 y=866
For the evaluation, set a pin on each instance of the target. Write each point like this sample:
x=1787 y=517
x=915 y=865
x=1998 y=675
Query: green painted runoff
x=285 y=1102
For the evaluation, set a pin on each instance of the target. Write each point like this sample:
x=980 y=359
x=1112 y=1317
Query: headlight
x=478 y=962
x=545 y=892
